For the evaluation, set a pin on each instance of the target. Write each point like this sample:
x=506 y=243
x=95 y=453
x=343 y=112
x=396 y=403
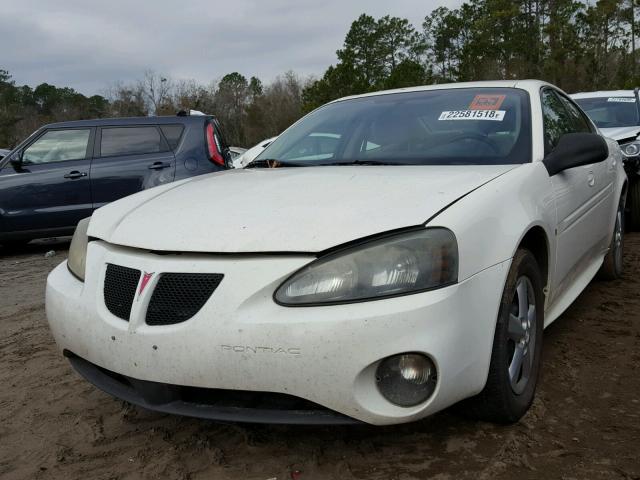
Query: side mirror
x=16 y=160
x=575 y=150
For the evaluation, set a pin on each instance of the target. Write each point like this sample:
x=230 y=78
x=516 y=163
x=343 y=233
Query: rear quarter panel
x=191 y=153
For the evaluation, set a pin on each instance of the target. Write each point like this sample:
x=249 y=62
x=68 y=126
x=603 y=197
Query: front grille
x=120 y=285
x=179 y=296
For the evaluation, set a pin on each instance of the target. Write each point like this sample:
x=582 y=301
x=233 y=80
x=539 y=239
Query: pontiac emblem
x=143 y=283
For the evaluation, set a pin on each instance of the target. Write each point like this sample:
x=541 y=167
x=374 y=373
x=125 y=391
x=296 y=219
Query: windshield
x=611 y=112
x=469 y=126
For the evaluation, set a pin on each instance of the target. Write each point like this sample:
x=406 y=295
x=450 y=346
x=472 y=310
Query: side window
x=57 y=146
x=172 y=133
x=557 y=120
x=130 y=141
x=580 y=123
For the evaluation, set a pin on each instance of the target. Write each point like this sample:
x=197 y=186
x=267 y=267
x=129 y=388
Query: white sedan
x=409 y=263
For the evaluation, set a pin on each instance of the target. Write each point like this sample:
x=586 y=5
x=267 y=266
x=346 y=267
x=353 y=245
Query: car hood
x=306 y=209
x=621 y=133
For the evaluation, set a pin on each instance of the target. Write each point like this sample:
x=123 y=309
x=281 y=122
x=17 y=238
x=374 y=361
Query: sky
x=91 y=44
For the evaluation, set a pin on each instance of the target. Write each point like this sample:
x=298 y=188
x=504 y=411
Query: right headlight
x=78 y=249
x=631 y=149
x=396 y=265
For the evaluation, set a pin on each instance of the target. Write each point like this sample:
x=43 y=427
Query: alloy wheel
x=521 y=335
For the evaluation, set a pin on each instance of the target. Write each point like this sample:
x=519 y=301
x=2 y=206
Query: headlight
x=78 y=249
x=396 y=265
x=631 y=149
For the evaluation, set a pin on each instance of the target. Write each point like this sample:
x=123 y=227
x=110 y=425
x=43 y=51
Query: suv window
x=172 y=133
x=130 y=141
x=58 y=146
x=557 y=119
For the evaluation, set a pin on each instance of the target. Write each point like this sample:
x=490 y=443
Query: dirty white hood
x=305 y=209
x=621 y=133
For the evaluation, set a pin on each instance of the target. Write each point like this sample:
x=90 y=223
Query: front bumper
x=212 y=404
x=242 y=340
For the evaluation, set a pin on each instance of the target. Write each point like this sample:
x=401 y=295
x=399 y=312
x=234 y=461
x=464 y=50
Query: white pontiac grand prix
x=387 y=256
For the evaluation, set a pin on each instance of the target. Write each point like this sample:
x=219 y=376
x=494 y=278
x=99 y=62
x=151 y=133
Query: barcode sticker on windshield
x=621 y=99
x=495 y=115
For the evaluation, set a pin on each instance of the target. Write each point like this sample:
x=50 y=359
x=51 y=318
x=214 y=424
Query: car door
x=47 y=189
x=582 y=195
x=129 y=159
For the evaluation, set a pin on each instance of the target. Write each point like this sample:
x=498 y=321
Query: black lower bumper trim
x=208 y=403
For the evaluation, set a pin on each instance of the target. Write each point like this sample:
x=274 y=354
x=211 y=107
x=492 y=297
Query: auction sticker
x=621 y=99
x=487 y=102
x=495 y=115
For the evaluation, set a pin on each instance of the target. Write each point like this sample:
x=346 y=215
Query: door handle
x=159 y=166
x=591 y=179
x=75 y=174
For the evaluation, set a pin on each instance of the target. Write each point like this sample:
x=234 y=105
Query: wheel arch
x=537 y=242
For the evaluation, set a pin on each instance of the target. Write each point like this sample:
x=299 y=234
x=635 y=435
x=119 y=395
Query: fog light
x=407 y=379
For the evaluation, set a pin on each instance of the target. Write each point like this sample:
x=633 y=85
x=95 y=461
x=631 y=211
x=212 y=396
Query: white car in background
x=247 y=157
x=4 y=153
x=411 y=268
x=617 y=115
x=235 y=152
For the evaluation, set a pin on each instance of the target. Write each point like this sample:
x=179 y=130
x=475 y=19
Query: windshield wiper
x=362 y=162
x=271 y=163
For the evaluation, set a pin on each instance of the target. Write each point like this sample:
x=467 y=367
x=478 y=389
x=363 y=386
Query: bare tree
x=126 y=100
x=156 y=90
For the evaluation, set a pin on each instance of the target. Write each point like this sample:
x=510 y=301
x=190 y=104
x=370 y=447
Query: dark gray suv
x=64 y=171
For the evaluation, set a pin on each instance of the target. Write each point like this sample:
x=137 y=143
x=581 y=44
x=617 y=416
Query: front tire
x=517 y=347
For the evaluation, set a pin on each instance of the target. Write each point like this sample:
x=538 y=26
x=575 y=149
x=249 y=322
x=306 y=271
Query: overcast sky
x=88 y=45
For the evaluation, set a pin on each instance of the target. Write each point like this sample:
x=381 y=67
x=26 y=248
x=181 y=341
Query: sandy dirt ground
x=584 y=424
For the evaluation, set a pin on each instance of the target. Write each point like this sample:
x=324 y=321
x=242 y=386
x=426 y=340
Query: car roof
x=529 y=85
x=603 y=93
x=162 y=120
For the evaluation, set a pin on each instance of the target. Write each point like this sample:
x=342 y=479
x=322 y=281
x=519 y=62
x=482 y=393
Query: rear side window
x=172 y=133
x=130 y=141
x=57 y=146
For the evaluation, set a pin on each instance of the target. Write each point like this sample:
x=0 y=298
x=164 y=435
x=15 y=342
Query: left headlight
x=395 y=265
x=631 y=149
x=78 y=249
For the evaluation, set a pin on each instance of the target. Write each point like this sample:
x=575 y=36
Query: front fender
x=490 y=222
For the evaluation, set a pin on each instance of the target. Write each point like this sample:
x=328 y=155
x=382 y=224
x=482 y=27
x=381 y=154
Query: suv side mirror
x=575 y=150
x=16 y=161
